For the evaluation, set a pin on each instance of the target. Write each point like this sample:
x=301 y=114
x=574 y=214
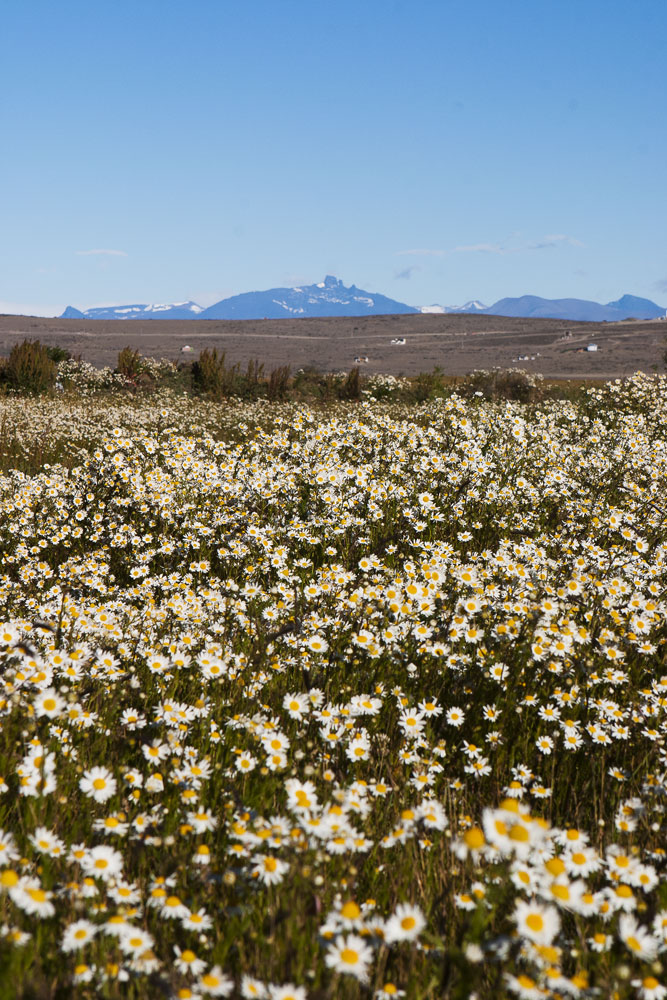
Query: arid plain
x=456 y=343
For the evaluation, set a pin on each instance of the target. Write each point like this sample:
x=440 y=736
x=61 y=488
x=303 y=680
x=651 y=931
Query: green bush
x=351 y=387
x=130 y=363
x=278 y=383
x=29 y=368
x=504 y=383
x=58 y=354
x=211 y=376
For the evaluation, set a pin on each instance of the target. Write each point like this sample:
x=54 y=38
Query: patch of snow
x=362 y=298
x=432 y=309
x=283 y=305
x=320 y=284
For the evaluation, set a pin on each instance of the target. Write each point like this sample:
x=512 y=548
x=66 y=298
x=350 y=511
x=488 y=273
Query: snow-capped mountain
x=327 y=298
x=332 y=298
x=469 y=307
x=170 y=310
x=577 y=310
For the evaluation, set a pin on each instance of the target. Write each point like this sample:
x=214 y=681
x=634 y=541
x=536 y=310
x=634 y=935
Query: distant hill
x=627 y=307
x=172 y=310
x=327 y=298
x=474 y=306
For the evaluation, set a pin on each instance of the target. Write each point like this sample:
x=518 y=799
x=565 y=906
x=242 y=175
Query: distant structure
x=361 y=359
x=592 y=347
x=398 y=340
x=186 y=349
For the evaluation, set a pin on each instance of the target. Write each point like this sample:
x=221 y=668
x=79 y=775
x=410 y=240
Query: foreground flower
x=636 y=938
x=537 y=922
x=406 y=924
x=351 y=955
x=214 y=984
x=98 y=783
x=77 y=935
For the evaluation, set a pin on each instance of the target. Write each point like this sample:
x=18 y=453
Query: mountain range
x=332 y=298
x=583 y=310
x=327 y=298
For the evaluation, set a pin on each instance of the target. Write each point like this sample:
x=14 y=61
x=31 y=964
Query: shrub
x=351 y=387
x=426 y=385
x=276 y=387
x=503 y=383
x=252 y=383
x=210 y=375
x=130 y=363
x=29 y=368
x=58 y=354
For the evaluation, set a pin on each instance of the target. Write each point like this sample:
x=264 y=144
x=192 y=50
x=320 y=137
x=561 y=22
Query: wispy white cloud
x=420 y=253
x=480 y=248
x=509 y=245
x=100 y=253
x=546 y=243
x=562 y=238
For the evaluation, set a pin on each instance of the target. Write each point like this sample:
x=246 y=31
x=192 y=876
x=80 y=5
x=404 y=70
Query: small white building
x=592 y=347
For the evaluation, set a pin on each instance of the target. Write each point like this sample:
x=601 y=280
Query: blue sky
x=431 y=150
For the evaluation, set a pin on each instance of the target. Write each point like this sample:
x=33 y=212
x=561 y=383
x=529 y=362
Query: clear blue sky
x=431 y=150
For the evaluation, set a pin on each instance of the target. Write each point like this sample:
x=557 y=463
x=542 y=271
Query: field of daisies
x=304 y=702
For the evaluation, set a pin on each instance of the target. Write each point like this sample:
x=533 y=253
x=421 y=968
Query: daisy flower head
x=350 y=955
x=77 y=935
x=253 y=989
x=405 y=924
x=524 y=987
x=214 y=983
x=245 y=762
x=649 y=988
x=49 y=703
x=317 y=643
x=134 y=941
x=296 y=705
x=27 y=893
x=288 y=991
x=537 y=922
x=637 y=939
x=269 y=869
x=187 y=962
x=103 y=862
x=8 y=849
x=197 y=920
x=47 y=843
x=98 y=784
